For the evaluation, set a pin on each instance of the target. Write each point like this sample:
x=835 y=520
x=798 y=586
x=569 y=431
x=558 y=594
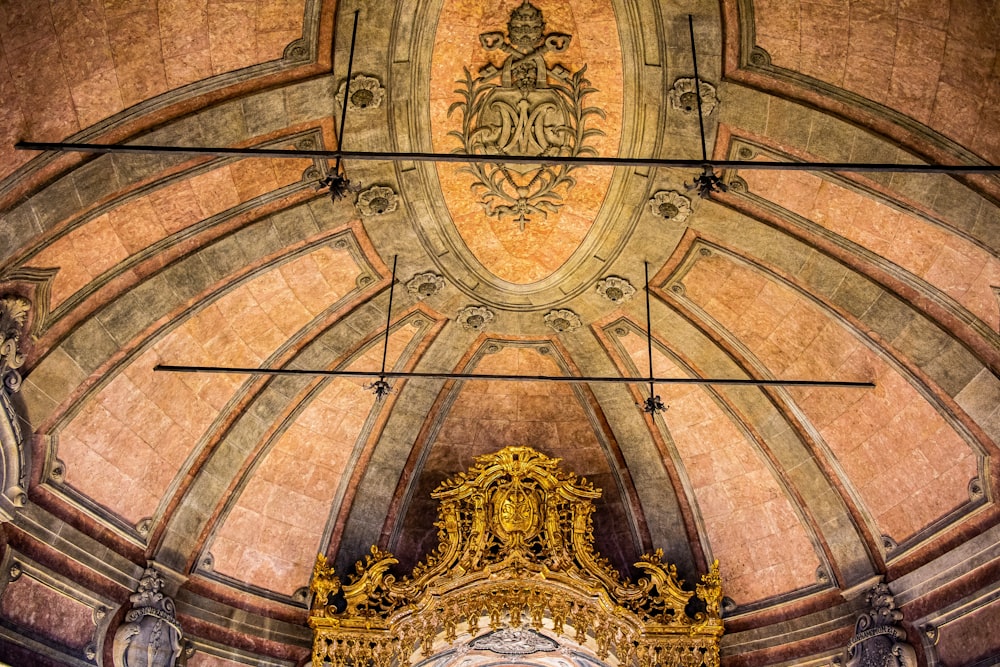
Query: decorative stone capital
x=878 y=639
x=151 y=635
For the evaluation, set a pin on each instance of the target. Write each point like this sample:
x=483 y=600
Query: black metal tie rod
x=510 y=378
x=583 y=161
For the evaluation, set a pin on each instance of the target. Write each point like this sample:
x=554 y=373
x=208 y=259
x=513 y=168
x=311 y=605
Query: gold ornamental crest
x=515 y=560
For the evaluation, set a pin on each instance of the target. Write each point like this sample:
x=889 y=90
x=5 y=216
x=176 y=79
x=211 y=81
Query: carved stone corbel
x=878 y=639
x=13 y=318
x=151 y=635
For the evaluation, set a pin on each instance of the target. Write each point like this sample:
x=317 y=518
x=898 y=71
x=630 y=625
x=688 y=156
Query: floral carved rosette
x=524 y=105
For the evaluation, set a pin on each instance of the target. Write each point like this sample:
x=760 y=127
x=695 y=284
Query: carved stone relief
x=475 y=318
x=377 y=200
x=683 y=98
x=514 y=641
x=524 y=105
x=151 y=635
x=13 y=319
x=670 y=205
x=877 y=640
x=563 y=320
x=424 y=285
x=615 y=289
x=366 y=93
x=13 y=315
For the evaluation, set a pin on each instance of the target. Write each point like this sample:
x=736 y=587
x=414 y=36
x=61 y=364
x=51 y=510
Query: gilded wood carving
x=515 y=549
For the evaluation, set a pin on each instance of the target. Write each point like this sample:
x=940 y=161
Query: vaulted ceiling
x=231 y=484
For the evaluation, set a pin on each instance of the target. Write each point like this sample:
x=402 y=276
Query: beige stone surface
x=232 y=483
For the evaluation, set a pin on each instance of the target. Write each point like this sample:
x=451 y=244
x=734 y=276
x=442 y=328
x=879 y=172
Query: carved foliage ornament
x=525 y=105
x=562 y=320
x=151 y=635
x=683 y=98
x=516 y=547
x=13 y=315
x=377 y=200
x=615 y=289
x=366 y=93
x=424 y=285
x=877 y=640
x=670 y=205
x=475 y=318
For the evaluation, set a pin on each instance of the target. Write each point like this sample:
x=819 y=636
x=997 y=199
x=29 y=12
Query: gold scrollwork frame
x=515 y=546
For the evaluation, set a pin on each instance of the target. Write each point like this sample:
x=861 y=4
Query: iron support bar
x=583 y=161
x=347 y=90
x=697 y=90
x=511 y=378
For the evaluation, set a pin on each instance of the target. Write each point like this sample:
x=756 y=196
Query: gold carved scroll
x=515 y=549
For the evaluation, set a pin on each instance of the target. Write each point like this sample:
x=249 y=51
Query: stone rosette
x=377 y=200
x=367 y=92
x=424 y=285
x=670 y=205
x=563 y=320
x=682 y=97
x=475 y=318
x=615 y=289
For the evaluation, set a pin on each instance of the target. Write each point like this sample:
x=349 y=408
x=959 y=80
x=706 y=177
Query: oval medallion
x=526 y=78
x=516 y=510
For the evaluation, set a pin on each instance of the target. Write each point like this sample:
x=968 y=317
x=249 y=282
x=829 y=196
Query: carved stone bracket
x=515 y=551
x=878 y=639
x=151 y=635
x=13 y=320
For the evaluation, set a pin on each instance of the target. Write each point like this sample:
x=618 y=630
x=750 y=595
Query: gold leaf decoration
x=516 y=549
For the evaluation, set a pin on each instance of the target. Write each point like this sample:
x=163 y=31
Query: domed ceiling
x=231 y=483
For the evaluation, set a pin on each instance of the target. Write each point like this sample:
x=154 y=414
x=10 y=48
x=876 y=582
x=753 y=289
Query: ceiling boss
x=524 y=106
x=514 y=570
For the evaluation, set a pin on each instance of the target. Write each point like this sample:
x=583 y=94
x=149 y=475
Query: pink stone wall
x=762 y=545
x=136 y=432
x=959 y=268
x=28 y=603
x=937 y=62
x=271 y=536
x=65 y=66
x=102 y=242
x=908 y=465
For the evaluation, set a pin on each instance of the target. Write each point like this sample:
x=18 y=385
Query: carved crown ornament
x=515 y=552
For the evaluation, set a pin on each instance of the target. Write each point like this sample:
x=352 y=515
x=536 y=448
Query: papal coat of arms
x=524 y=106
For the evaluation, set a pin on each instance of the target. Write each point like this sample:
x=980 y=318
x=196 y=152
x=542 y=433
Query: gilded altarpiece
x=515 y=551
